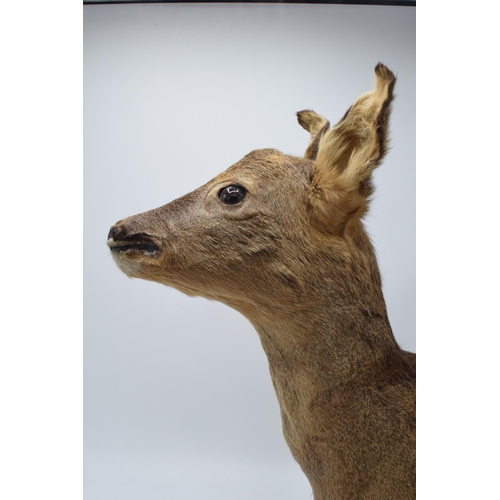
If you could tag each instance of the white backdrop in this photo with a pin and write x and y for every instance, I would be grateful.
(178, 399)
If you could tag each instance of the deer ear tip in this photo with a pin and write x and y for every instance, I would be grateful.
(382, 72)
(303, 117)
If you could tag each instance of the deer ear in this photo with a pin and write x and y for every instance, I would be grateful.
(348, 154)
(317, 126)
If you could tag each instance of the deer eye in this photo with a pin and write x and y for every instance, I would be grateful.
(231, 195)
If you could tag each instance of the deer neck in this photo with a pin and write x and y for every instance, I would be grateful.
(336, 339)
(318, 350)
(319, 364)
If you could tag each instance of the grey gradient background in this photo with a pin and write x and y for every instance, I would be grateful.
(177, 395)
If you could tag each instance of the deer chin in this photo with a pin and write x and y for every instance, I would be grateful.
(135, 262)
(132, 268)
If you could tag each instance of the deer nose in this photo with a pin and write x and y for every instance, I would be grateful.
(115, 231)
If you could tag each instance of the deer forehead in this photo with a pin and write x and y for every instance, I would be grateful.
(265, 167)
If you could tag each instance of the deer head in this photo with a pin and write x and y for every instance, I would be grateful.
(272, 231)
(280, 239)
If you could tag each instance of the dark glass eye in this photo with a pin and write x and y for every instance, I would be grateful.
(231, 195)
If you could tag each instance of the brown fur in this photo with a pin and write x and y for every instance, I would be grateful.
(294, 258)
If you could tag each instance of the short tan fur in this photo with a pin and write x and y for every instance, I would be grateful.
(292, 255)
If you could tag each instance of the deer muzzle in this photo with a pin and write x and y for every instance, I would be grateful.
(121, 240)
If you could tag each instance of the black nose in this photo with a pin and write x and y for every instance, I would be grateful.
(113, 231)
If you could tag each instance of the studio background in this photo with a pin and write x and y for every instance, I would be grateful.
(177, 394)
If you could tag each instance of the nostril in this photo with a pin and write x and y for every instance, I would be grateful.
(113, 231)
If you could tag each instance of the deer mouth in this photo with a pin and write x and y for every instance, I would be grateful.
(133, 243)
